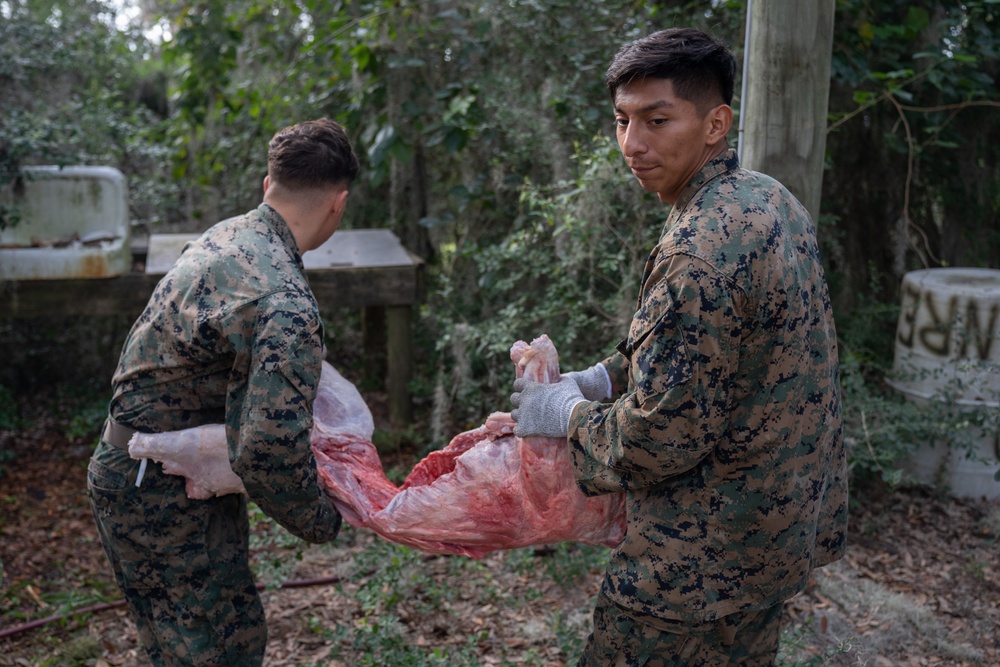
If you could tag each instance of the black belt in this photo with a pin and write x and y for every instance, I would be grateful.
(116, 434)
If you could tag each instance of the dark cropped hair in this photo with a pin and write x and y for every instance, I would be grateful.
(311, 154)
(701, 68)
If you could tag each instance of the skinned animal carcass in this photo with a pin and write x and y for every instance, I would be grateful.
(198, 454)
(486, 490)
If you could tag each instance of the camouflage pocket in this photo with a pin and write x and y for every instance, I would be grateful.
(105, 478)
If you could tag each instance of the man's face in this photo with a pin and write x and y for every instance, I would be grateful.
(664, 139)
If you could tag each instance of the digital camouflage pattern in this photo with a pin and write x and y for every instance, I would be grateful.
(189, 590)
(747, 639)
(231, 334)
(727, 437)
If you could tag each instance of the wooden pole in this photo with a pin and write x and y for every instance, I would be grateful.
(399, 365)
(789, 48)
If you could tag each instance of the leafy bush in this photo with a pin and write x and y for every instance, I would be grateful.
(87, 419)
(882, 426)
(272, 544)
(569, 268)
(77, 90)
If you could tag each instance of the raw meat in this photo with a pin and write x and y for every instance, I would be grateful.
(487, 490)
(200, 454)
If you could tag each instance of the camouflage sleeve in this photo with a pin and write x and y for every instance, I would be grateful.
(271, 451)
(682, 354)
(617, 367)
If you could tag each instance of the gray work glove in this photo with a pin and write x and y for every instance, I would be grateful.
(595, 383)
(544, 409)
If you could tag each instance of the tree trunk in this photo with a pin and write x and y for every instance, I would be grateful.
(789, 49)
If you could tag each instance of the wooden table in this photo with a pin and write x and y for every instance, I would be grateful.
(362, 268)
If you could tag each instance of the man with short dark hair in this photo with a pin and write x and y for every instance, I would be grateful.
(719, 415)
(231, 334)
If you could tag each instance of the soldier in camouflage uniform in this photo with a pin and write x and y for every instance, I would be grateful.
(726, 429)
(231, 334)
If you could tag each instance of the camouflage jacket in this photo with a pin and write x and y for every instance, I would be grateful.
(727, 437)
(232, 334)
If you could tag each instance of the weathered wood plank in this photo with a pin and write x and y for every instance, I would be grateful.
(395, 288)
(128, 294)
(399, 363)
(125, 294)
(368, 286)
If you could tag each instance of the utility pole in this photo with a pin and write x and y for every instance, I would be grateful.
(787, 90)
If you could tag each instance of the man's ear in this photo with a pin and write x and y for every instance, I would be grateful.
(267, 181)
(339, 201)
(720, 120)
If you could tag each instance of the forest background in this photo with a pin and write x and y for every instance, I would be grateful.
(486, 139)
(487, 145)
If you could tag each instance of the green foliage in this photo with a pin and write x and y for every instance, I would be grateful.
(276, 551)
(72, 88)
(60, 601)
(394, 582)
(569, 637)
(396, 576)
(564, 563)
(381, 641)
(571, 561)
(915, 85)
(796, 650)
(568, 268)
(87, 419)
(484, 132)
(80, 652)
(397, 573)
(883, 427)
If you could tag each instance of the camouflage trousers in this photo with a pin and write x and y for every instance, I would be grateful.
(182, 565)
(747, 639)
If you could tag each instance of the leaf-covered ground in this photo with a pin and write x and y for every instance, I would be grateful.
(920, 585)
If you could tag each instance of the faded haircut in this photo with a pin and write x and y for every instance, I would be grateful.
(701, 68)
(311, 154)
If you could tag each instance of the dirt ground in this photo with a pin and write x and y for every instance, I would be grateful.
(920, 585)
